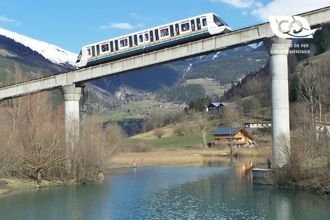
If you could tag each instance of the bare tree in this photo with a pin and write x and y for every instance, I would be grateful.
(40, 144)
(32, 145)
(202, 124)
(159, 132)
(309, 91)
(230, 116)
(95, 148)
(180, 129)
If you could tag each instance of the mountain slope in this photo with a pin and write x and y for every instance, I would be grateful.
(23, 58)
(51, 52)
(20, 63)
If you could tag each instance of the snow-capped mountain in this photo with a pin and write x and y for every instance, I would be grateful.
(51, 52)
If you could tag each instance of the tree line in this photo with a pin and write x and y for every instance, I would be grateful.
(32, 143)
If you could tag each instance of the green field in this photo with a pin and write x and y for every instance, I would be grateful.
(179, 142)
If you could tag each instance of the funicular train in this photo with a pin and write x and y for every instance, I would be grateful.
(166, 35)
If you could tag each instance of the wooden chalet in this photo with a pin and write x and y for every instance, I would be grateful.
(236, 137)
(217, 106)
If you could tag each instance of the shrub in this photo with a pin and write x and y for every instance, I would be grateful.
(140, 147)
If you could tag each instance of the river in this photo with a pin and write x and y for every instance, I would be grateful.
(166, 193)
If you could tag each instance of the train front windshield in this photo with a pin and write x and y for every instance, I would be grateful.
(79, 57)
(217, 21)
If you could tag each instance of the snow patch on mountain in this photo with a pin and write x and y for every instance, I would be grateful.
(189, 67)
(256, 45)
(51, 52)
(216, 55)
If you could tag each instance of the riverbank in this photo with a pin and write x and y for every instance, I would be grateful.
(180, 157)
(14, 185)
(161, 157)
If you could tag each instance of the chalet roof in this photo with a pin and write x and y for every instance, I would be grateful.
(221, 104)
(232, 132)
(224, 131)
(214, 104)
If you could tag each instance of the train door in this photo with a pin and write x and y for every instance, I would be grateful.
(199, 26)
(97, 50)
(177, 30)
(130, 41)
(135, 40)
(157, 34)
(193, 28)
(111, 46)
(172, 30)
(151, 36)
(93, 51)
(116, 45)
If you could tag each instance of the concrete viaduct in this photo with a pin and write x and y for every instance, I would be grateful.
(277, 48)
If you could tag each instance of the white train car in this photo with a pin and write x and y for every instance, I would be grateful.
(151, 39)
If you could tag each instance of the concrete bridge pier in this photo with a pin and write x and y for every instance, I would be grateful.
(278, 51)
(71, 95)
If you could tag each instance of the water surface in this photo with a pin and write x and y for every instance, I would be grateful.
(166, 193)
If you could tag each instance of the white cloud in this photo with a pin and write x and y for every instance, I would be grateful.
(245, 13)
(237, 3)
(283, 7)
(275, 7)
(4, 19)
(118, 25)
(140, 18)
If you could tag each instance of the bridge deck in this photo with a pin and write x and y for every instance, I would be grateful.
(235, 38)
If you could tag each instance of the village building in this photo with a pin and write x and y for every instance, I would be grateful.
(235, 137)
(322, 127)
(214, 107)
(259, 124)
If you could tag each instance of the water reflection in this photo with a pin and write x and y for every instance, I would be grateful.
(168, 193)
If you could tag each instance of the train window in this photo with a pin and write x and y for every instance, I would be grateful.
(130, 41)
(156, 34)
(98, 49)
(185, 26)
(89, 52)
(123, 42)
(140, 38)
(111, 46)
(151, 36)
(177, 31)
(198, 20)
(217, 21)
(164, 32)
(146, 37)
(204, 22)
(193, 25)
(105, 47)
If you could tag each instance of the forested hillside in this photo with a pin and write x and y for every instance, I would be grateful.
(257, 85)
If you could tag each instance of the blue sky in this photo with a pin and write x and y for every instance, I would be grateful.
(71, 24)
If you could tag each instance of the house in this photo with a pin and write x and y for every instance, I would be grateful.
(260, 124)
(216, 106)
(322, 126)
(236, 137)
(213, 107)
